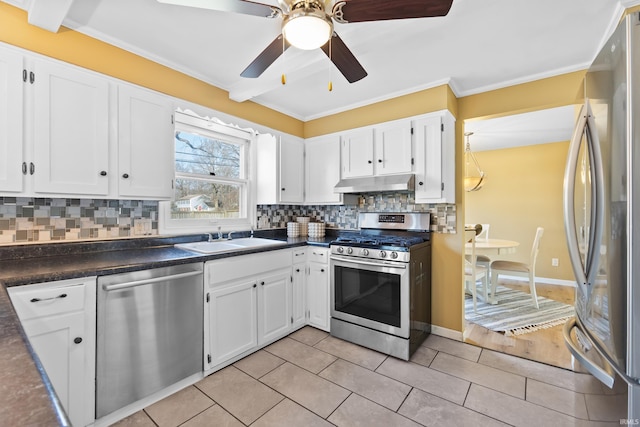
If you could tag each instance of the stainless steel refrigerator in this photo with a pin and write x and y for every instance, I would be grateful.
(602, 216)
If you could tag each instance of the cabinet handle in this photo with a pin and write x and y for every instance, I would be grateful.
(24, 76)
(421, 183)
(32, 77)
(369, 161)
(24, 168)
(261, 283)
(282, 188)
(297, 270)
(103, 173)
(379, 160)
(125, 175)
(32, 168)
(322, 270)
(48, 299)
(77, 340)
(254, 285)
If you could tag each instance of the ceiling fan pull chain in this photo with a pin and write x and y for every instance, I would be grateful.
(283, 77)
(330, 87)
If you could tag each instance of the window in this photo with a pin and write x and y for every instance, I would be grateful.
(211, 176)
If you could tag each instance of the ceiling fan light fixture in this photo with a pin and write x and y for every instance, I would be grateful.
(307, 28)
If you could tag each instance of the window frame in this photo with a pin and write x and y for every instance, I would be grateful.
(214, 128)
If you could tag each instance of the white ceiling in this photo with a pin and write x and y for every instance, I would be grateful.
(480, 45)
(538, 127)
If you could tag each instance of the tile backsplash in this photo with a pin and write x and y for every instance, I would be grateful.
(24, 219)
(443, 216)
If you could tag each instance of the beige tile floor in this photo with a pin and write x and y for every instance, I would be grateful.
(312, 379)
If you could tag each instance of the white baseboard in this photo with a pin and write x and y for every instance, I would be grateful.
(447, 333)
(547, 280)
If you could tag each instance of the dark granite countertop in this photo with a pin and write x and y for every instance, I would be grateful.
(26, 395)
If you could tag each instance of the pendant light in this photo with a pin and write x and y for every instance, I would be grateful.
(474, 176)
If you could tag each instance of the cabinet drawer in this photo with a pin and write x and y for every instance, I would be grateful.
(299, 255)
(33, 301)
(318, 255)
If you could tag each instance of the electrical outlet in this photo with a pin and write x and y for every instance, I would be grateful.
(554, 262)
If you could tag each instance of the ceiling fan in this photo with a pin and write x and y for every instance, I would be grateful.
(308, 24)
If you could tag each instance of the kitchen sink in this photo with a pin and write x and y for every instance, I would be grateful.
(219, 246)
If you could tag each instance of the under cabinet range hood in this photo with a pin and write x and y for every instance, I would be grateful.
(376, 183)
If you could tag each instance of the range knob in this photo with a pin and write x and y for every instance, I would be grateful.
(382, 254)
(349, 251)
(340, 249)
(394, 255)
(365, 252)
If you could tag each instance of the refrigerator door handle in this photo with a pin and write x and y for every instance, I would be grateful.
(585, 126)
(604, 373)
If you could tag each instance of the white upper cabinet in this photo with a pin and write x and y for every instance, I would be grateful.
(382, 149)
(280, 170)
(70, 130)
(435, 158)
(357, 153)
(145, 144)
(291, 170)
(393, 152)
(322, 170)
(11, 116)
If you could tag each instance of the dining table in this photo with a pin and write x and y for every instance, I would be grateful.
(494, 246)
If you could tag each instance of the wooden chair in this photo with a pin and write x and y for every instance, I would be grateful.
(515, 268)
(474, 272)
(482, 260)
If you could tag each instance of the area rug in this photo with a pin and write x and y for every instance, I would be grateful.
(515, 313)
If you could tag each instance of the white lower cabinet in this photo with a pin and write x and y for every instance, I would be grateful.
(298, 289)
(274, 306)
(59, 320)
(317, 288)
(247, 304)
(232, 320)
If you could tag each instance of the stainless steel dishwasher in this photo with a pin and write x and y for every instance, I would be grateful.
(149, 333)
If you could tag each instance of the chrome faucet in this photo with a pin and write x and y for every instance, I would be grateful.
(210, 239)
(219, 233)
(229, 235)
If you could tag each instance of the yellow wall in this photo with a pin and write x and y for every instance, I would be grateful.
(86, 52)
(78, 49)
(524, 191)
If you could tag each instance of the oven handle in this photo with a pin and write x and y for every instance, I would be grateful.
(372, 263)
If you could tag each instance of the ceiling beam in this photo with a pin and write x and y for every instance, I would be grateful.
(48, 14)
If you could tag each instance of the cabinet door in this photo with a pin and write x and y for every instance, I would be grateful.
(428, 159)
(322, 168)
(232, 313)
(274, 306)
(357, 153)
(318, 295)
(71, 130)
(11, 116)
(145, 144)
(59, 341)
(291, 171)
(298, 295)
(393, 152)
(435, 159)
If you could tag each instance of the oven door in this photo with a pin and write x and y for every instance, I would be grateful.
(371, 293)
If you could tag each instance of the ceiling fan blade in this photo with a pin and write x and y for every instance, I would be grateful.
(266, 58)
(382, 10)
(344, 60)
(236, 6)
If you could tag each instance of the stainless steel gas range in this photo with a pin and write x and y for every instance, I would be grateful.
(381, 283)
